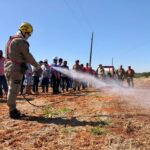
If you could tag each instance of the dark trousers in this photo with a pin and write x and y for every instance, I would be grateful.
(45, 83)
(55, 84)
(3, 83)
(35, 83)
(65, 83)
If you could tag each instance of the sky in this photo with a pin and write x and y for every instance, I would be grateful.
(63, 28)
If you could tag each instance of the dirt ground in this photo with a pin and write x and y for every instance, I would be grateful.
(85, 120)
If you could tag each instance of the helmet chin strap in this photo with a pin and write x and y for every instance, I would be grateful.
(22, 35)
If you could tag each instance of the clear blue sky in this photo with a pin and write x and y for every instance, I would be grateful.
(63, 28)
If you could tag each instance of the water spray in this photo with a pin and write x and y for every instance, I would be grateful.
(140, 97)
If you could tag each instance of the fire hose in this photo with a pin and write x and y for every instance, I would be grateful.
(32, 103)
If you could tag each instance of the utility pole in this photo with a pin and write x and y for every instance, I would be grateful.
(90, 60)
(112, 61)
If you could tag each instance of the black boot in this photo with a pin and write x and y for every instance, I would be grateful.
(15, 114)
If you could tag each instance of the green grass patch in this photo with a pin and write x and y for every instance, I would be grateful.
(64, 110)
(51, 112)
(98, 131)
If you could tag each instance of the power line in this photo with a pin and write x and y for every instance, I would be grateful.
(84, 16)
(73, 13)
(79, 22)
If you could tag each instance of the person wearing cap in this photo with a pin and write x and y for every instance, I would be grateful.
(129, 75)
(3, 82)
(17, 56)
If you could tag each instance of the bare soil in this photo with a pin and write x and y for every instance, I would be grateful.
(85, 120)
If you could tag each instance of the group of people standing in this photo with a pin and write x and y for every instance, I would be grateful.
(45, 76)
(16, 71)
(128, 75)
(118, 75)
(48, 76)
